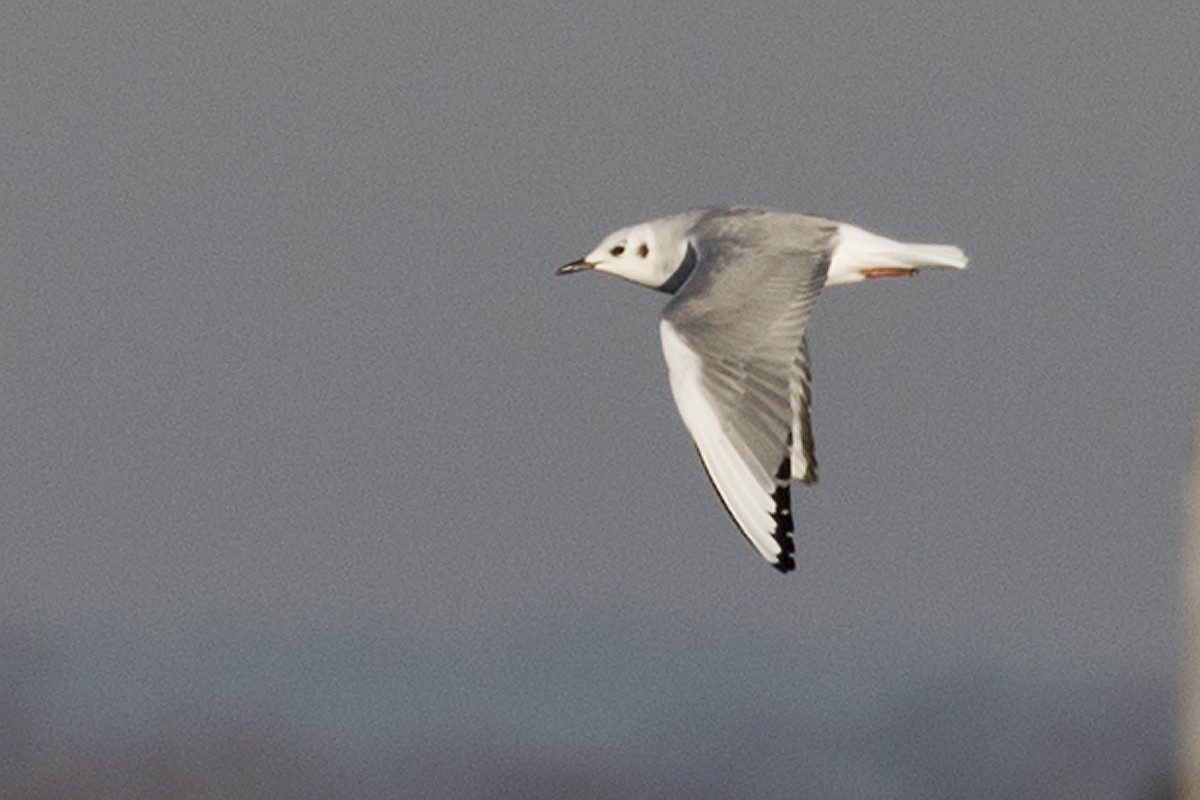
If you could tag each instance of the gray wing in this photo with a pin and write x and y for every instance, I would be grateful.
(733, 339)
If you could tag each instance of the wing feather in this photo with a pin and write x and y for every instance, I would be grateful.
(733, 340)
(803, 449)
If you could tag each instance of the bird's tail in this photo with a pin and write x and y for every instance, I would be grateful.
(860, 254)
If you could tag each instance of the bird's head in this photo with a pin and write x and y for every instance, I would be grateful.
(647, 254)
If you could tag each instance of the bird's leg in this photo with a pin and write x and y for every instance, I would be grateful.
(889, 272)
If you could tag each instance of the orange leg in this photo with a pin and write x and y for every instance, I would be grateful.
(889, 272)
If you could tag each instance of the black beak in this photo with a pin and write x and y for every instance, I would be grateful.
(574, 266)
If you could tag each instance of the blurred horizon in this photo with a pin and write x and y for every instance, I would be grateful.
(221, 709)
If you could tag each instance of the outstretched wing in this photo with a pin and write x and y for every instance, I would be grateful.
(733, 339)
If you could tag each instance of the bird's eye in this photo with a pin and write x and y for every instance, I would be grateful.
(644, 250)
(616, 251)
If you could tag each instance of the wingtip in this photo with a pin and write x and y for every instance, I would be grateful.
(784, 525)
(785, 562)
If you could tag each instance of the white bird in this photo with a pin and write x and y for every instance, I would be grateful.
(744, 282)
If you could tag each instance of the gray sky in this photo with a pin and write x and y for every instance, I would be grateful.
(281, 339)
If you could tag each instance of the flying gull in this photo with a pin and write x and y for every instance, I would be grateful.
(744, 281)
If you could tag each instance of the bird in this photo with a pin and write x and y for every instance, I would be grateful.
(743, 282)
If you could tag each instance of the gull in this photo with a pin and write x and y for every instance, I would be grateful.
(744, 281)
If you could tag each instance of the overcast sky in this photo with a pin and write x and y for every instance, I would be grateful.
(281, 340)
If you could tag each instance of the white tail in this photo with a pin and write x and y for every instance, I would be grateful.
(858, 251)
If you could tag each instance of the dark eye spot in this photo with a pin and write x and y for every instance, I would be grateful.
(644, 250)
(616, 251)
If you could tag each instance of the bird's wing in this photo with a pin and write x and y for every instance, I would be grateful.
(803, 448)
(733, 339)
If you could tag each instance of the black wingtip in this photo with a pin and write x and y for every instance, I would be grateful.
(785, 561)
(784, 527)
(782, 514)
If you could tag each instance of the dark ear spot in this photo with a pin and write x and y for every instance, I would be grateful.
(644, 250)
(616, 251)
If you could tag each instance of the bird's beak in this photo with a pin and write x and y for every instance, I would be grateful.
(574, 266)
